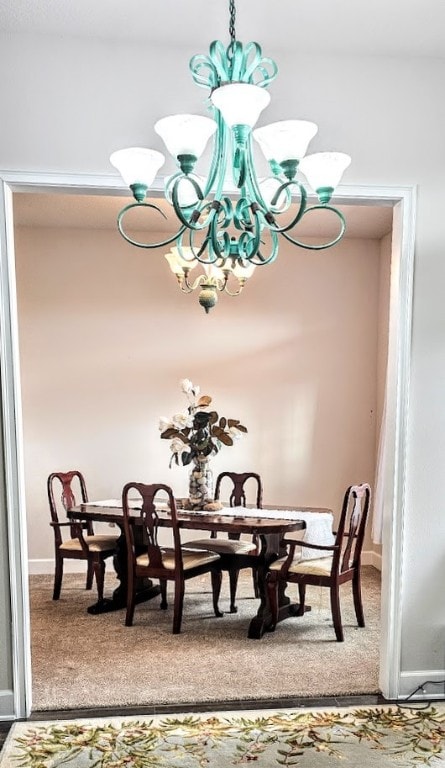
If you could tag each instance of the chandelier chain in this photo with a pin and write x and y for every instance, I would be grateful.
(232, 21)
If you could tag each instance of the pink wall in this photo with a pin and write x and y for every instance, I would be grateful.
(105, 337)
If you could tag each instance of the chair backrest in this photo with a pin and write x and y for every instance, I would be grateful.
(147, 516)
(351, 527)
(74, 491)
(240, 480)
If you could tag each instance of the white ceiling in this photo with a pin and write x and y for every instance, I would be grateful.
(100, 212)
(381, 27)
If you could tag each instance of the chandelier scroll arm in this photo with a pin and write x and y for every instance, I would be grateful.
(322, 246)
(130, 240)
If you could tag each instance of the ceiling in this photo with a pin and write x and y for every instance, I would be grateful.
(383, 27)
(100, 212)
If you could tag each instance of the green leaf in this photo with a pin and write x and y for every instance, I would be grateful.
(186, 457)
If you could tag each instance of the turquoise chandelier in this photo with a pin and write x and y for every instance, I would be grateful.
(230, 234)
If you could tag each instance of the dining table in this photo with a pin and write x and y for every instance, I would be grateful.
(270, 525)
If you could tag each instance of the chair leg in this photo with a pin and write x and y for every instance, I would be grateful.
(216, 590)
(58, 577)
(99, 572)
(301, 598)
(357, 593)
(233, 581)
(179, 604)
(90, 575)
(336, 612)
(256, 589)
(163, 585)
(272, 596)
(131, 599)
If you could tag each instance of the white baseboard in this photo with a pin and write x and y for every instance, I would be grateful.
(431, 681)
(7, 705)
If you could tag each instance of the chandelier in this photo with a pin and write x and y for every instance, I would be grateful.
(230, 235)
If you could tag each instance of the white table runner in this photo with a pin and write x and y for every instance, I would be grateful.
(318, 524)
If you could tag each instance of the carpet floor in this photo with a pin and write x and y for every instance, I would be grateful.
(375, 736)
(84, 661)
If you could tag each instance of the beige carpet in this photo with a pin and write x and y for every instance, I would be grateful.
(82, 661)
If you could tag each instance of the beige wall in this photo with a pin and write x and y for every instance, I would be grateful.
(105, 337)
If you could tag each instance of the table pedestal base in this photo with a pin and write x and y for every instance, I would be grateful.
(262, 623)
(145, 589)
(119, 599)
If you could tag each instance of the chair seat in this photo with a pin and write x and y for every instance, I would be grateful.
(224, 546)
(98, 543)
(190, 558)
(320, 567)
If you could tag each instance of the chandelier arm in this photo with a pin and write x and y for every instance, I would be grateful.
(219, 157)
(215, 234)
(135, 242)
(322, 246)
(252, 183)
(259, 260)
(192, 286)
(299, 214)
(235, 293)
(201, 249)
(192, 223)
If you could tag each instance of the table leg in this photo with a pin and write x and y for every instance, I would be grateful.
(271, 549)
(145, 589)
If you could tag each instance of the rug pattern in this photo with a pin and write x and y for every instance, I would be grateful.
(375, 736)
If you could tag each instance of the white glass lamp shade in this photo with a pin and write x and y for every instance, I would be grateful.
(137, 165)
(240, 103)
(185, 134)
(285, 140)
(243, 270)
(177, 263)
(215, 273)
(324, 169)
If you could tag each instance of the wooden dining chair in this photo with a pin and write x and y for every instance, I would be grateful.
(175, 563)
(341, 564)
(235, 553)
(83, 543)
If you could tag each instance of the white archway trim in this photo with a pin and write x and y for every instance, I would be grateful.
(403, 201)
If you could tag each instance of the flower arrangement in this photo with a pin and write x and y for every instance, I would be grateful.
(198, 433)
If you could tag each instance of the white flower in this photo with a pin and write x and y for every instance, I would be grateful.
(182, 420)
(186, 386)
(177, 446)
(164, 424)
(235, 433)
(191, 390)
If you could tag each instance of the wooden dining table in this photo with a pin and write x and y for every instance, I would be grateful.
(270, 532)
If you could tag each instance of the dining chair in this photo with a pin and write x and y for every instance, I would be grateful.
(235, 553)
(83, 543)
(175, 563)
(341, 563)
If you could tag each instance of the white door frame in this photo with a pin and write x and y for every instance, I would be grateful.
(403, 200)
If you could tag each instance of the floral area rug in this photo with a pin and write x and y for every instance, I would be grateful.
(364, 738)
